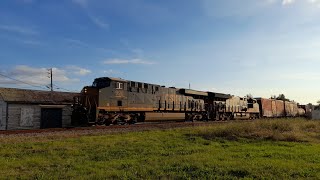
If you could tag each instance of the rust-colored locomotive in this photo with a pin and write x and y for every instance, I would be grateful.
(113, 100)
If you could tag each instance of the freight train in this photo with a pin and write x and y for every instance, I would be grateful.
(118, 101)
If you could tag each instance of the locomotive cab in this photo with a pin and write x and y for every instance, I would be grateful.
(113, 97)
(84, 106)
(253, 108)
(242, 107)
(87, 105)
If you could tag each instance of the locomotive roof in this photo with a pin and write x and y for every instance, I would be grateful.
(112, 79)
(182, 90)
(193, 92)
(219, 95)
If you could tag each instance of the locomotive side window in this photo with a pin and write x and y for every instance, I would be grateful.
(133, 84)
(139, 85)
(250, 103)
(119, 85)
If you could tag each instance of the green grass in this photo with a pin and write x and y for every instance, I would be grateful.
(283, 149)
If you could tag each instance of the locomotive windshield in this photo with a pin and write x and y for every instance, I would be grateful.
(101, 83)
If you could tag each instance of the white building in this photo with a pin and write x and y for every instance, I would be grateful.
(33, 109)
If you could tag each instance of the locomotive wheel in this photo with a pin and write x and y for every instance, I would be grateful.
(134, 120)
(115, 122)
(217, 117)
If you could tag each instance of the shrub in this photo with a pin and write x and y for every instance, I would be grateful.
(310, 126)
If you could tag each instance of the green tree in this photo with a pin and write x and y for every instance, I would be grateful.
(249, 96)
(282, 97)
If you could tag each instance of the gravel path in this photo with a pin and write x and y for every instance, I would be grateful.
(97, 130)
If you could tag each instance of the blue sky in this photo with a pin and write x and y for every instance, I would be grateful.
(262, 47)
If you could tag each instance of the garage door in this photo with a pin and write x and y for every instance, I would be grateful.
(51, 118)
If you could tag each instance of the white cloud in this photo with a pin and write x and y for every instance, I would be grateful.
(82, 3)
(111, 72)
(78, 70)
(248, 8)
(18, 29)
(25, 41)
(301, 76)
(315, 2)
(287, 2)
(312, 2)
(235, 8)
(127, 61)
(137, 51)
(40, 77)
(76, 42)
(60, 75)
(98, 22)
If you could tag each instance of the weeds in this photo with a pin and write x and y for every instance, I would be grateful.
(275, 130)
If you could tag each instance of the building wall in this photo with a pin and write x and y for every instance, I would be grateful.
(316, 113)
(24, 116)
(2, 115)
(66, 116)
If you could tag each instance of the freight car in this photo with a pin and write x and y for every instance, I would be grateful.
(279, 108)
(113, 100)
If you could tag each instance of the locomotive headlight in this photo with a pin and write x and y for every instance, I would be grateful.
(85, 90)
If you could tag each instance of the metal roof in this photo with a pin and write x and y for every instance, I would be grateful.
(36, 96)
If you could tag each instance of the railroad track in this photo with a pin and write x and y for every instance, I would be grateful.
(117, 128)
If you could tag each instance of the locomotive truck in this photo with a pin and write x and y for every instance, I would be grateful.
(118, 101)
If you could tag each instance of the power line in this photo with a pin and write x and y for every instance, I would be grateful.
(39, 85)
(58, 87)
(23, 81)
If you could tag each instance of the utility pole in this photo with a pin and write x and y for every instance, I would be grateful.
(50, 72)
(51, 79)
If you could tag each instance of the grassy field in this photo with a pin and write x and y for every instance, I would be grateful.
(276, 149)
